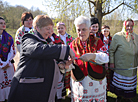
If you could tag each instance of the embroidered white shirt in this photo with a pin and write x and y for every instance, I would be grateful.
(27, 29)
(63, 37)
(105, 41)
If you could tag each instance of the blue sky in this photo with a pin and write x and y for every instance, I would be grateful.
(37, 4)
(28, 3)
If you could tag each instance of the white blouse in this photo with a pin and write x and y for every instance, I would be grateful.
(63, 37)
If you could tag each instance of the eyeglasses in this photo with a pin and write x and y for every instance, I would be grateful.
(2, 23)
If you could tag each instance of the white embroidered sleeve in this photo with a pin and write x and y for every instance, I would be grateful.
(18, 38)
(101, 58)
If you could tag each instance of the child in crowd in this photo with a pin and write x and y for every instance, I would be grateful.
(67, 39)
(106, 38)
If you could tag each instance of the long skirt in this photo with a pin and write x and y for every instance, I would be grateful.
(123, 86)
(5, 81)
(88, 90)
(61, 89)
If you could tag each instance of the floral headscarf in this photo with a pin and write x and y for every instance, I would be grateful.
(124, 25)
(5, 45)
(124, 29)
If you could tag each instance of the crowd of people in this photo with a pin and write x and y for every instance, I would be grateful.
(52, 66)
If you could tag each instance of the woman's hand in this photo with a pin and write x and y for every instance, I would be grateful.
(65, 65)
(68, 63)
(61, 65)
(5, 67)
(88, 56)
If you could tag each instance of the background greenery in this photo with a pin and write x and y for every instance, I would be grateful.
(12, 15)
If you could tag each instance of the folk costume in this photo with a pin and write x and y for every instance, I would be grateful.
(19, 33)
(55, 39)
(66, 39)
(7, 53)
(98, 35)
(37, 75)
(107, 42)
(88, 81)
(123, 53)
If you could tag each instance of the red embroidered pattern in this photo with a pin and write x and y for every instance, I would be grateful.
(85, 91)
(6, 82)
(100, 82)
(91, 84)
(77, 97)
(96, 90)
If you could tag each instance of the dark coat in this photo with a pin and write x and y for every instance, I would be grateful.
(36, 77)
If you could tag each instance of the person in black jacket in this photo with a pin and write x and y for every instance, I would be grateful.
(36, 77)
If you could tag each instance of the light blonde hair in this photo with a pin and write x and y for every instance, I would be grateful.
(60, 23)
(42, 21)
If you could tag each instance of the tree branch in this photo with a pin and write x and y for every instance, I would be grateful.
(130, 7)
(67, 5)
(92, 2)
(113, 9)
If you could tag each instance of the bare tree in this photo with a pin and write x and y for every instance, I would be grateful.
(95, 8)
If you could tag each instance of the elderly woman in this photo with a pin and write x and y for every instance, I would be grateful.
(88, 81)
(26, 21)
(37, 74)
(123, 53)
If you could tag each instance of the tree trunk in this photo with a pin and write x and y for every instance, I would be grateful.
(98, 13)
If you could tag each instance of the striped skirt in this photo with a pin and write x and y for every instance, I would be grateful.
(124, 86)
